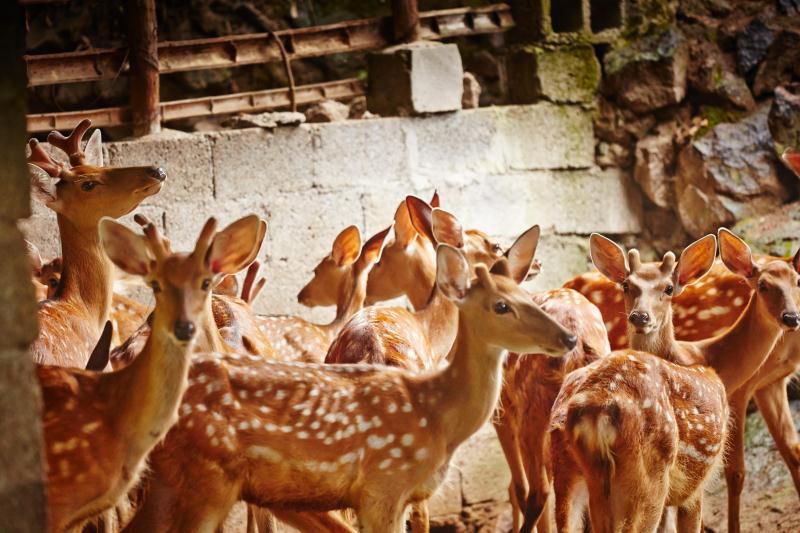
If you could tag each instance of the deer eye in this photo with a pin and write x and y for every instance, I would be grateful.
(88, 185)
(501, 308)
(206, 284)
(156, 286)
(762, 286)
(625, 287)
(497, 249)
(53, 283)
(668, 290)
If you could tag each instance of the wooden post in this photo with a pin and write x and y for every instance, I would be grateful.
(143, 58)
(405, 18)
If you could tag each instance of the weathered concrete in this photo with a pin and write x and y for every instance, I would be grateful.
(566, 75)
(498, 169)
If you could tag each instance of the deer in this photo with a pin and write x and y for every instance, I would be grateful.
(127, 412)
(304, 435)
(349, 265)
(86, 191)
(639, 431)
(530, 385)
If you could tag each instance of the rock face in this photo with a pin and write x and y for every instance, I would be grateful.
(655, 160)
(327, 111)
(711, 75)
(752, 45)
(566, 75)
(728, 174)
(650, 73)
(784, 117)
(782, 63)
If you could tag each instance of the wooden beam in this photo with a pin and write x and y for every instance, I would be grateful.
(143, 78)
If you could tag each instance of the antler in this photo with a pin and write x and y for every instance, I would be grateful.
(159, 244)
(42, 159)
(72, 145)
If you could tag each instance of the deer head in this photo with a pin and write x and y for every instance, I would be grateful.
(216, 254)
(493, 304)
(775, 283)
(648, 288)
(84, 190)
(330, 273)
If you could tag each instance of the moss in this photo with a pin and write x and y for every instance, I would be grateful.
(713, 116)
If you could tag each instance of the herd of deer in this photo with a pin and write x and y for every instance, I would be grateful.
(207, 403)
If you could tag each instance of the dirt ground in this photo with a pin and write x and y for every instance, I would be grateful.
(769, 500)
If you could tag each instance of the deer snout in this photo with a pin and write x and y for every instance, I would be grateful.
(569, 341)
(791, 320)
(302, 296)
(639, 318)
(157, 173)
(184, 330)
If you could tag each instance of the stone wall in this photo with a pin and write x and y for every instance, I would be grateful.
(499, 169)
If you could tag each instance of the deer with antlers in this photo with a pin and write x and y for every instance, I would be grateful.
(70, 323)
(639, 431)
(126, 413)
(329, 436)
(348, 266)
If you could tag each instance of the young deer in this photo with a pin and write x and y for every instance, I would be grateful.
(639, 432)
(413, 340)
(296, 339)
(330, 436)
(126, 413)
(530, 386)
(70, 323)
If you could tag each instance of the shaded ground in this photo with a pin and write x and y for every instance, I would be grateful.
(769, 500)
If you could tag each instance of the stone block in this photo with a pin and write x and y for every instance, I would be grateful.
(546, 135)
(484, 472)
(562, 75)
(246, 162)
(448, 497)
(42, 230)
(413, 79)
(186, 158)
(362, 153)
(562, 257)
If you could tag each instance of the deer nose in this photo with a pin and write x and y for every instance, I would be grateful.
(569, 341)
(791, 319)
(158, 173)
(639, 318)
(184, 330)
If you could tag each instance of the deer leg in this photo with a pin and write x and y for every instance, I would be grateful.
(570, 492)
(381, 516)
(690, 515)
(773, 403)
(420, 519)
(538, 496)
(734, 465)
(518, 488)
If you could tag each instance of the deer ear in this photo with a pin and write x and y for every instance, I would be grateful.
(520, 255)
(446, 228)
(695, 262)
(233, 248)
(371, 251)
(736, 255)
(126, 249)
(608, 258)
(346, 246)
(227, 286)
(94, 149)
(792, 160)
(420, 214)
(452, 272)
(404, 230)
(35, 257)
(43, 186)
(98, 360)
(435, 199)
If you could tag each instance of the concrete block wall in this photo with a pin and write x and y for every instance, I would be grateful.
(498, 169)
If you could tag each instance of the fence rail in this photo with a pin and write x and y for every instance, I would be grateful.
(238, 50)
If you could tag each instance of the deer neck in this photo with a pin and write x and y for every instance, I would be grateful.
(660, 342)
(145, 395)
(87, 273)
(209, 339)
(738, 353)
(351, 299)
(440, 322)
(468, 388)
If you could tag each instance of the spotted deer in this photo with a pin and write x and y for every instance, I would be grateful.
(637, 430)
(85, 191)
(372, 438)
(296, 339)
(530, 385)
(126, 413)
